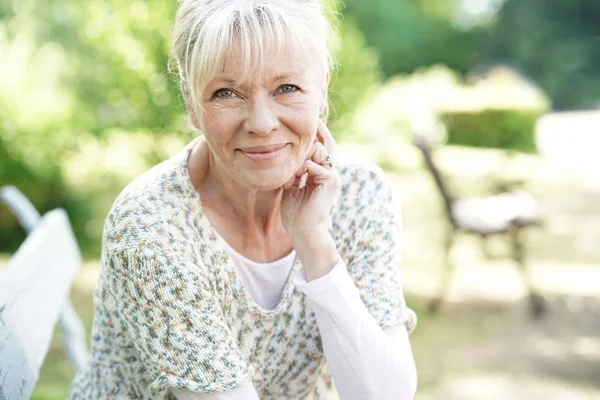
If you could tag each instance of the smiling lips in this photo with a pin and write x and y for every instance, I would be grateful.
(263, 153)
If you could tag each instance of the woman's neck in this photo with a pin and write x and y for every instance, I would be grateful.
(249, 220)
(249, 205)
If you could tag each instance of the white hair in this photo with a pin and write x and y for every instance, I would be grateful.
(206, 30)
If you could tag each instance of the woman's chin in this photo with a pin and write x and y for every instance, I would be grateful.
(264, 182)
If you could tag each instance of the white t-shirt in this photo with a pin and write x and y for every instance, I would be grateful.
(264, 281)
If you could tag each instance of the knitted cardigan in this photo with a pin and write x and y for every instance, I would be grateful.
(171, 312)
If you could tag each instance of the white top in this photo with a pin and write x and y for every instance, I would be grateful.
(364, 362)
(264, 281)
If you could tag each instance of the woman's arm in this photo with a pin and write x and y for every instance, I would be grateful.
(365, 361)
(396, 335)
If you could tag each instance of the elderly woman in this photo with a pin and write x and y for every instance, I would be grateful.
(250, 265)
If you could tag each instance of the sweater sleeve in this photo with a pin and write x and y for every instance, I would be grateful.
(373, 255)
(174, 322)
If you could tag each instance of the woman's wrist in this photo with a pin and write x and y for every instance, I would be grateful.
(317, 251)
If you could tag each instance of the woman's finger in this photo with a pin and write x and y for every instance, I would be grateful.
(320, 154)
(317, 153)
(325, 137)
(311, 151)
(318, 174)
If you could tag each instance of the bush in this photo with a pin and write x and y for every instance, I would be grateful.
(510, 129)
(354, 81)
(46, 192)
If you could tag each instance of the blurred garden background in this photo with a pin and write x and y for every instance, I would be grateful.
(506, 90)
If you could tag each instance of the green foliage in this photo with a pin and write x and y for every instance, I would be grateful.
(354, 81)
(510, 129)
(115, 62)
(556, 43)
(70, 69)
(412, 33)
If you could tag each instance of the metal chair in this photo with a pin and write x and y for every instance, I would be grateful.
(507, 213)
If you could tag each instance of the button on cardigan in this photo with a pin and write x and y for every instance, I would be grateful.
(171, 312)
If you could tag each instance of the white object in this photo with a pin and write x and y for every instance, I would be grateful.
(21, 207)
(72, 328)
(34, 287)
(496, 213)
(570, 139)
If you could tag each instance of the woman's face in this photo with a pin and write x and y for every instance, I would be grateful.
(261, 131)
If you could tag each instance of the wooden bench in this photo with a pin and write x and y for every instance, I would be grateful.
(34, 296)
(507, 214)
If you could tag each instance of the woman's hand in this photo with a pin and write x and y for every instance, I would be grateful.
(306, 206)
(309, 195)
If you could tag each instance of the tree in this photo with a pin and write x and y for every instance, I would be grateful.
(554, 42)
(409, 34)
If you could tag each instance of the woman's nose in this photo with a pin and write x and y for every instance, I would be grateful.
(261, 119)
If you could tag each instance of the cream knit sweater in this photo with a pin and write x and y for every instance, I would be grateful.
(170, 311)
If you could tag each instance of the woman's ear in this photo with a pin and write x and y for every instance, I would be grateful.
(192, 115)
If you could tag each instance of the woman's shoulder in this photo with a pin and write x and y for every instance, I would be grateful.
(152, 207)
(363, 182)
(367, 198)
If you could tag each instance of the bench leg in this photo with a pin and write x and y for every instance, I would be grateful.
(485, 246)
(73, 336)
(447, 272)
(537, 303)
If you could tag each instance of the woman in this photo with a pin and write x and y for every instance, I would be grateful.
(249, 266)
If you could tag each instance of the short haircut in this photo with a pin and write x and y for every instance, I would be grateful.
(206, 30)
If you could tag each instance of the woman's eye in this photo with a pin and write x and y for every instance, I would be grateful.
(288, 88)
(224, 93)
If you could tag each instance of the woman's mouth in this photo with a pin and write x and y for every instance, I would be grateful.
(263, 153)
